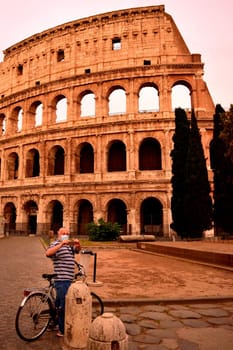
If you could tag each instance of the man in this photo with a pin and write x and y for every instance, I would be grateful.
(62, 252)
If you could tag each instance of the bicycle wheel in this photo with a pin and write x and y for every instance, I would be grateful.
(33, 316)
(97, 306)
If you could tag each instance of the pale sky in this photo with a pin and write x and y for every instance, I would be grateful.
(206, 26)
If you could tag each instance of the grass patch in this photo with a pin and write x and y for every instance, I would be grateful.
(83, 241)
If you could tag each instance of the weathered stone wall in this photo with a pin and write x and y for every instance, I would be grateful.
(127, 49)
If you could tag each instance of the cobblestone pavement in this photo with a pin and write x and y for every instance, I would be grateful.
(183, 326)
(176, 325)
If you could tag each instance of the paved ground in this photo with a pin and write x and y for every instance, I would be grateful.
(156, 325)
(138, 274)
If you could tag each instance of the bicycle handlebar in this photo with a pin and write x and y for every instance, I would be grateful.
(87, 251)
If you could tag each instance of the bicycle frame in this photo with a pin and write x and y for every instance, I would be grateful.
(47, 293)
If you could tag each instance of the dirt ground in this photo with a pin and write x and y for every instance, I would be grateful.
(128, 273)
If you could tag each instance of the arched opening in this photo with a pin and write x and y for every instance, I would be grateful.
(9, 214)
(117, 101)
(31, 209)
(55, 212)
(13, 166)
(117, 212)
(33, 163)
(56, 161)
(151, 216)
(181, 97)
(86, 159)
(85, 216)
(35, 115)
(61, 109)
(148, 99)
(39, 114)
(2, 124)
(20, 120)
(88, 105)
(16, 120)
(150, 155)
(117, 157)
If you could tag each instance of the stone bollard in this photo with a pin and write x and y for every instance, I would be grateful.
(77, 316)
(107, 332)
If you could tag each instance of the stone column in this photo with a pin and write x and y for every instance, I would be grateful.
(99, 159)
(21, 168)
(131, 159)
(68, 159)
(165, 101)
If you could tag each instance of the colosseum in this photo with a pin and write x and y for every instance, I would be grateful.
(87, 119)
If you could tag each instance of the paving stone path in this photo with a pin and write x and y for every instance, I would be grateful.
(192, 326)
(167, 326)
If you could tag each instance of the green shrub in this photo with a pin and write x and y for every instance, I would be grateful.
(103, 231)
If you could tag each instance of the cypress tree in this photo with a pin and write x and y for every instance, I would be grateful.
(227, 133)
(198, 211)
(179, 155)
(223, 176)
(218, 165)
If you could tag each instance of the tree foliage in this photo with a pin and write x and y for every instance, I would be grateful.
(179, 155)
(198, 210)
(222, 165)
(191, 202)
(103, 231)
(227, 133)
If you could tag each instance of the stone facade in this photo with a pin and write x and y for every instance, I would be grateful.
(80, 167)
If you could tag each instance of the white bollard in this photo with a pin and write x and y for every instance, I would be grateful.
(85, 261)
(107, 333)
(77, 316)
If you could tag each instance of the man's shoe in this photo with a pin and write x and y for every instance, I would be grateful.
(52, 327)
(60, 334)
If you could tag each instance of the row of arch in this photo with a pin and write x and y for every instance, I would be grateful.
(148, 101)
(151, 216)
(149, 155)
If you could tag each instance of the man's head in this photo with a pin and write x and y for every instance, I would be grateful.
(63, 233)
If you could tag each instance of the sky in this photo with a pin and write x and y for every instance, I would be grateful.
(206, 26)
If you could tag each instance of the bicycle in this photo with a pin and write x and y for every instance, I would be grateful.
(37, 310)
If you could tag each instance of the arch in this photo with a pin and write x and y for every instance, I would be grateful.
(151, 216)
(13, 166)
(86, 158)
(2, 124)
(87, 103)
(181, 95)
(36, 111)
(117, 212)
(117, 157)
(17, 119)
(85, 216)
(117, 101)
(32, 163)
(148, 98)
(55, 215)
(56, 161)
(60, 105)
(31, 208)
(150, 155)
(9, 213)
(20, 120)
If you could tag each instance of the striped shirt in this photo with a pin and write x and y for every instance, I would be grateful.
(63, 262)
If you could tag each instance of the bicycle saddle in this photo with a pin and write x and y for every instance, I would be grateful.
(49, 276)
